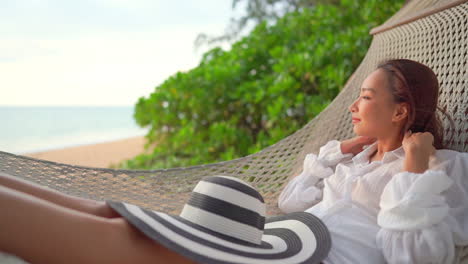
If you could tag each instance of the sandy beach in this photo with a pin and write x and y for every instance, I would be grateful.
(97, 155)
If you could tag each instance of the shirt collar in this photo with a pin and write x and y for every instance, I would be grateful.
(363, 156)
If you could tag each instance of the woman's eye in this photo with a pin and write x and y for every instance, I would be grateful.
(365, 97)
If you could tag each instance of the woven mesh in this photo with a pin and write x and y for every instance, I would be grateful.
(432, 32)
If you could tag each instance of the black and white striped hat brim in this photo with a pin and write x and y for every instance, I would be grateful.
(224, 222)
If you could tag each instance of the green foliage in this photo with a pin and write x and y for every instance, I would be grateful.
(270, 84)
(257, 11)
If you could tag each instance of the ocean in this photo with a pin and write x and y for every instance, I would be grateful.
(34, 129)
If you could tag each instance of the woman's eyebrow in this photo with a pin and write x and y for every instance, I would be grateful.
(368, 89)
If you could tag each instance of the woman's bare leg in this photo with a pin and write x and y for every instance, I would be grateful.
(43, 232)
(99, 208)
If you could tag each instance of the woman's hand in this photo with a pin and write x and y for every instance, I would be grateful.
(418, 148)
(354, 145)
(419, 143)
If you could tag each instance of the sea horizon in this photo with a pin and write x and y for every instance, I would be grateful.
(32, 129)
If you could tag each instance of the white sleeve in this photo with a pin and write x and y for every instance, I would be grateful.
(415, 220)
(301, 193)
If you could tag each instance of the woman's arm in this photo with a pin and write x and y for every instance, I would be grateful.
(424, 209)
(415, 163)
(415, 219)
(301, 192)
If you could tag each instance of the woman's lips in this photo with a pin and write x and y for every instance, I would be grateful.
(356, 120)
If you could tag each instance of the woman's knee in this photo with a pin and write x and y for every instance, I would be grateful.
(132, 246)
(104, 210)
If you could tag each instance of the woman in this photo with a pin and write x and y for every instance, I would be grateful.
(71, 220)
(401, 199)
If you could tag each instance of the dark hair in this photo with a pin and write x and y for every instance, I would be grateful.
(416, 84)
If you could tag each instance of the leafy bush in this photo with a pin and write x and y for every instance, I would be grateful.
(270, 84)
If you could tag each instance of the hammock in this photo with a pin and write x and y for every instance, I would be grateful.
(433, 32)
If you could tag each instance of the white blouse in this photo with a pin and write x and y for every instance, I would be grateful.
(377, 213)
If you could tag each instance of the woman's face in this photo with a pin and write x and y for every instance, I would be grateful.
(373, 112)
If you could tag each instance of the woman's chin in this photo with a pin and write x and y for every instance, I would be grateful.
(357, 132)
(363, 134)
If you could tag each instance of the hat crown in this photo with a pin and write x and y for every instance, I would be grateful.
(229, 206)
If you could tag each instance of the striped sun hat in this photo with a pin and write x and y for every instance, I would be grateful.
(224, 222)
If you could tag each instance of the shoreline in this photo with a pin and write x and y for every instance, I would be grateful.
(101, 155)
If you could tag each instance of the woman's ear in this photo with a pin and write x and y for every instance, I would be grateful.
(401, 112)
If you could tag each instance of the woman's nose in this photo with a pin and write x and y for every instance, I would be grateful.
(352, 107)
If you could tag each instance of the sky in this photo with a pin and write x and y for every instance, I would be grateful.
(100, 52)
